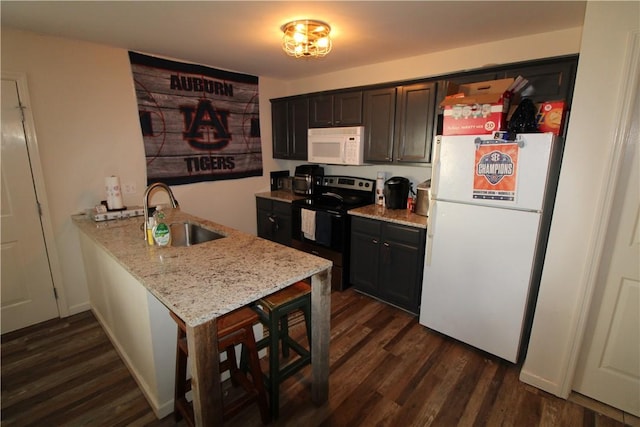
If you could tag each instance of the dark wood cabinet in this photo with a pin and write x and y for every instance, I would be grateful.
(476, 77)
(379, 124)
(399, 123)
(387, 261)
(280, 129)
(335, 110)
(290, 123)
(274, 220)
(548, 82)
(401, 119)
(415, 113)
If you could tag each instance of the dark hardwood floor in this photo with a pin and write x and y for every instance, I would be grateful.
(386, 370)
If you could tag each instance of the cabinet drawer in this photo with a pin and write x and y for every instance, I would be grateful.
(263, 204)
(281, 208)
(366, 226)
(402, 234)
(274, 206)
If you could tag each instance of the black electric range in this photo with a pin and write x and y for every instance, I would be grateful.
(321, 225)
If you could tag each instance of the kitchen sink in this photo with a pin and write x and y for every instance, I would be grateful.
(189, 234)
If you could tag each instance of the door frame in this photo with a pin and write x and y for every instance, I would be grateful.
(38, 183)
(628, 91)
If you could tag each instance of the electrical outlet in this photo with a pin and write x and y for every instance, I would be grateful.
(129, 188)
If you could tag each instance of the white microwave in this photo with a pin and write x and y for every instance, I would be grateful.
(336, 146)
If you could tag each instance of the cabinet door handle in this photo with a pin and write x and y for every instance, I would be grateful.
(386, 253)
(374, 241)
(274, 223)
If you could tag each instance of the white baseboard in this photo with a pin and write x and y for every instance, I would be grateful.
(78, 308)
(541, 383)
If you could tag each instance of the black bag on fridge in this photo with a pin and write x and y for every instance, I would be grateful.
(523, 119)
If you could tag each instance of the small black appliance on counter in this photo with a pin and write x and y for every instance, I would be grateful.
(278, 180)
(396, 191)
(307, 178)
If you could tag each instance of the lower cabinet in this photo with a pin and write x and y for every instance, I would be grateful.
(387, 260)
(274, 220)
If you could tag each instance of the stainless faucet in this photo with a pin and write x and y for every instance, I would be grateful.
(147, 193)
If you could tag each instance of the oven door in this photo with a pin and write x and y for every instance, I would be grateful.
(333, 225)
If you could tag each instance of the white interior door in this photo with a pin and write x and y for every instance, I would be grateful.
(609, 364)
(26, 287)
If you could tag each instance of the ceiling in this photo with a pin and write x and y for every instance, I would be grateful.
(244, 36)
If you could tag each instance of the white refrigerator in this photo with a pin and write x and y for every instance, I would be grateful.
(487, 229)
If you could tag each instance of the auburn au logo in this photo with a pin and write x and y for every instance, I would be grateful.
(206, 128)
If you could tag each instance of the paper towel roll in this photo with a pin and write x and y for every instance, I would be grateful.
(380, 188)
(114, 192)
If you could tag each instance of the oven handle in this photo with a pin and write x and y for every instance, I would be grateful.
(334, 214)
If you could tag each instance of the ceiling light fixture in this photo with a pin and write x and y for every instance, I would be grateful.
(306, 38)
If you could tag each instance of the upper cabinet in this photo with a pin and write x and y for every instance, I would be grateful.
(401, 119)
(415, 113)
(379, 124)
(290, 123)
(548, 82)
(399, 122)
(335, 110)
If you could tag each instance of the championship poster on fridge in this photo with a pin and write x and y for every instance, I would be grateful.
(198, 123)
(496, 168)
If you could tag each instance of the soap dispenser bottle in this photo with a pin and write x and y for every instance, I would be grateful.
(151, 223)
(161, 231)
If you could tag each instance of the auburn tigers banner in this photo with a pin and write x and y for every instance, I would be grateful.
(198, 123)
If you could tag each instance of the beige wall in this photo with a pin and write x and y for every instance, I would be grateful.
(87, 127)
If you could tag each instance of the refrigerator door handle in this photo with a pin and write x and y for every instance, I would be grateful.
(435, 167)
(431, 223)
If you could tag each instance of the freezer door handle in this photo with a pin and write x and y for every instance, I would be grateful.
(431, 223)
(435, 166)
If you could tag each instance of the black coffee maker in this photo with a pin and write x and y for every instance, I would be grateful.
(396, 192)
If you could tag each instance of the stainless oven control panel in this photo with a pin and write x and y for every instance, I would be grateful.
(348, 182)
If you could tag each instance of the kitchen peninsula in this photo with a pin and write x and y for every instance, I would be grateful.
(133, 285)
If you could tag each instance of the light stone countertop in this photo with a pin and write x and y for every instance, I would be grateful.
(281, 195)
(206, 280)
(399, 216)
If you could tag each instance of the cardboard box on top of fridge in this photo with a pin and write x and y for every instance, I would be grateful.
(550, 116)
(476, 108)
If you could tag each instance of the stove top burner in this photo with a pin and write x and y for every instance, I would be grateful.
(341, 193)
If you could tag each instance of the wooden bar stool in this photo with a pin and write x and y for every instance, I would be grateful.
(274, 311)
(234, 328)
